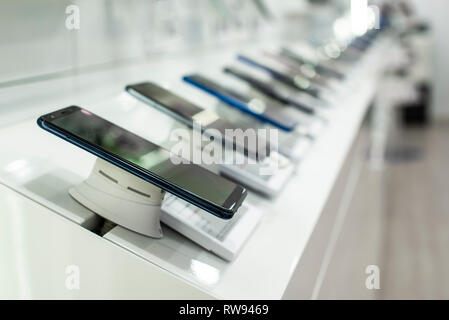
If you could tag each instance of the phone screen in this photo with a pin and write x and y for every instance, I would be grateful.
(115, 140)
(174, 103)
(206, 118)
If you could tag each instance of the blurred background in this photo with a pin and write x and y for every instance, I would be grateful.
(398, 215)
(114, 32)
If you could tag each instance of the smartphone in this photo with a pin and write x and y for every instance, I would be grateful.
(204, 189)
(319, 68)
(304, 70)
(252, 106)
(267, 90)
(189, 113)
(286, 79)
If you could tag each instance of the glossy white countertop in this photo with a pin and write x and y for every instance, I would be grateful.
(40, 167)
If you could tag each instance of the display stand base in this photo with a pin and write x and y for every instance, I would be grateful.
(122, 198)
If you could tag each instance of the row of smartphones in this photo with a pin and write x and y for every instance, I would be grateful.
(186, 180)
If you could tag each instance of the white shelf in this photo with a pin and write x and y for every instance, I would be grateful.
(264, 267)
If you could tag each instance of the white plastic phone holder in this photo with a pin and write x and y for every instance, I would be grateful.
(122, 198)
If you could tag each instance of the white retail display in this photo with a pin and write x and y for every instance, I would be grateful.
(40, 231)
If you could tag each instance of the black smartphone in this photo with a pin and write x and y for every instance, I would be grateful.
(146, 160)
(318, 67)
(189, 113)
(267, 90)
(306, 71)
(282, 77)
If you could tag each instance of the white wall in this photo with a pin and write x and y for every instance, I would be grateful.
(437, 13)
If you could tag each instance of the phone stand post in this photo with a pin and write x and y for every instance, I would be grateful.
(122, 198)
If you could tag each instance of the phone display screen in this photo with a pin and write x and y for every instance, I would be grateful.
(166, 98)
(204, 117)
(98, 132)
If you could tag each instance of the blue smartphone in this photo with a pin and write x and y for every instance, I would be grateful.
(204, 189)
(254, 107)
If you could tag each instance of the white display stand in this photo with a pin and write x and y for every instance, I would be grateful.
(38, 241)
(122, 198)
